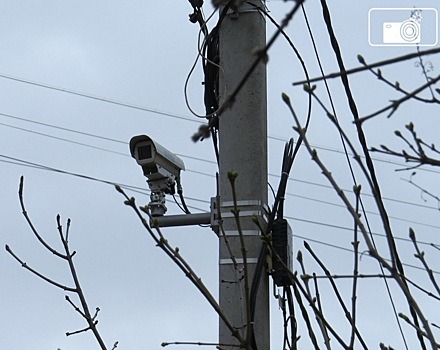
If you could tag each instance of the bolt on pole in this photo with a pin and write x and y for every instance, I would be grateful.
(243, 149)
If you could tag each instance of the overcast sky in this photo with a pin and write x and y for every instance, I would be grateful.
(63, 65)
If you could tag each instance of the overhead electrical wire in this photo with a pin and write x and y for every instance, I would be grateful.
(17, 161)
(194, 158)
(369, 212)
(350, 229)
(143, 191)
(62, 128)
(348, 250)
(147, 109)
(126, 143)
(371, 177)
(136, 189)
(64, 139)
(276, 138)
(151, 110)
(179, 154)
(98, 98)
(26, 163)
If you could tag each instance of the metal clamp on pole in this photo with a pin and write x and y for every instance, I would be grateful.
(209, 218)
(248, 208)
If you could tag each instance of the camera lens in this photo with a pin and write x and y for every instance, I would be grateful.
(409, 31)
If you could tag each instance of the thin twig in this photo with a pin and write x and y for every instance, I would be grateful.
(27, 267)
(417, 328)
(395, 104)
(421, 256)
(68, 256)
(319, 305)
(355, 243)
(305, 316)
(373, 252)
(174, 255)
(331, 276)
(31, 225)
(396, 86)
(370, 66)
(305, 279)
(337, 294)
(236, 212)
(164, 344)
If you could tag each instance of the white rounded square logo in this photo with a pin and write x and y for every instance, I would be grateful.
(403, 27)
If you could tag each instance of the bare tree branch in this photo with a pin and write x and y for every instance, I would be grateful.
(68, 256)
(370, 66)
(174, 255)
(35, 272)
(421, 256)
(373, 252)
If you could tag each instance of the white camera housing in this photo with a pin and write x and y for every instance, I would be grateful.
(156, 161)
(160, 166)
(406, 32)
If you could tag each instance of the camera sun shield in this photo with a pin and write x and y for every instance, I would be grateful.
(403, 27)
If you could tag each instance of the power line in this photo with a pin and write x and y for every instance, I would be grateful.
(182, 155)
(276, 138)
(338, 151)
(62, 128)
(368, 212)
(364, 194)
(136, 189)
(126, 143)
(16, 161)
(198, 159)
(146, 109)
(352, 251)
(21, 162)
(98, 98)
(63, 139)
(339, 227)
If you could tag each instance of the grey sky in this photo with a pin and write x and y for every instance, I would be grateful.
(140, 54)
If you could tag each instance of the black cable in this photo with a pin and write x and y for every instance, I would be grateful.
(211, 64)
(184, 207)
(287, 164)
(282, 306)
(292, 318)
(288, 158)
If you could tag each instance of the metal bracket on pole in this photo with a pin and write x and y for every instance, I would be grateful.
(247, 209)
(182, 220)
(189, 219)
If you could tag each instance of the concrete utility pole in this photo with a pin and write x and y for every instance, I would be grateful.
(243, 148)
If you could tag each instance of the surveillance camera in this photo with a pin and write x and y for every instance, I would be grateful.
(156, 161)
(160, 166)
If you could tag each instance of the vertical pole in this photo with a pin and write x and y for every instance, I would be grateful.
(243, 148)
